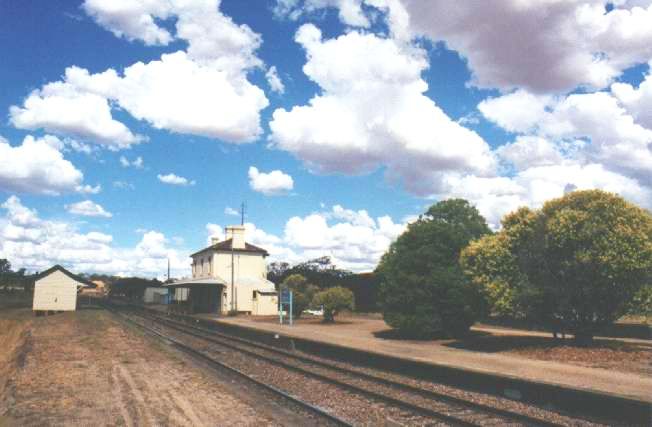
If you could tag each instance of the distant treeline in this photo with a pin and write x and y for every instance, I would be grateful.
(11, 280)
(324, 274)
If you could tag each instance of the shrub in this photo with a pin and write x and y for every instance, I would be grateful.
(333, 301)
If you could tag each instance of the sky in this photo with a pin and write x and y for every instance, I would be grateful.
(132, 131)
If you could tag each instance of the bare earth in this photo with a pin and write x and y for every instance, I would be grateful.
(85, 368)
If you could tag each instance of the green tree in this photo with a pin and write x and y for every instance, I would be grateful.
(581, 260)
(423, 290)
(302, 292)
(641, 304)
(333, 301)
(319, 271)
(491, 263)
(5, 272)
(5, 266)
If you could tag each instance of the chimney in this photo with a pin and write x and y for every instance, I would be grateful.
(215, 240)
(236, 232)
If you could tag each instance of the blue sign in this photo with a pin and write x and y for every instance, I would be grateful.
(286, 296)
(286, 300)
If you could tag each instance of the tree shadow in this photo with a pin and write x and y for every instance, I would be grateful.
(396, 334)
(503, 343)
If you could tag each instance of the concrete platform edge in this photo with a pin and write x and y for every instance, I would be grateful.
(561, 396)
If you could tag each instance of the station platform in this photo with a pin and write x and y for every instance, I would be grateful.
(360, 334)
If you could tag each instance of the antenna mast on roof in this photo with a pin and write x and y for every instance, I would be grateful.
(243, 206)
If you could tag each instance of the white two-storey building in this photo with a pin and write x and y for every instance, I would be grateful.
(228, 276)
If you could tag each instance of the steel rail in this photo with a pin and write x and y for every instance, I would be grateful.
(429, 394)
(215, 364)
(478, 407)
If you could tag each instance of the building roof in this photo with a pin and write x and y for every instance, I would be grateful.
(215, 281)
(257, 283)
(225, 246)
(73, 276)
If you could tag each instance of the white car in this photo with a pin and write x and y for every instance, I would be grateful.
(319, 312)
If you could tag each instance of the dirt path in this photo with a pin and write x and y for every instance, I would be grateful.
(85, 368)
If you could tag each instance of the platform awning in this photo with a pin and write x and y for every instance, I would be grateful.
(198, 282)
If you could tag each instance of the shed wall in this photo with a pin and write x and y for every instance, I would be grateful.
(55, 292)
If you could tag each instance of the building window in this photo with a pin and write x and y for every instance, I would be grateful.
(254, 296)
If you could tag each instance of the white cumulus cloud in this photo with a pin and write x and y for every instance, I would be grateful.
(372, 113)
(36, 244)
(63, 108)
(130, 19)
(274, 80)
(587, 127)
(137, 163)
(497, 196)
(88, 208)
(637, 101)
(37, 166)
(350, 11)
(230, 211)
(569, 43)
(353, 239)
(203, 90)
(271, 183)
(173, 179)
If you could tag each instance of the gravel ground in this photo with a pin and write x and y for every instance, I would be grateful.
(84, 368)
(341, 406)
(344, 404)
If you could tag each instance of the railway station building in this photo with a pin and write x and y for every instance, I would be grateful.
(227, 276)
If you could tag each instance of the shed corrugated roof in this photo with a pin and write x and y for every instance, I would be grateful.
(225, 246)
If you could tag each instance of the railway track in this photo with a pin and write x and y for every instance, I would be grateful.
(212, 362)
(429, 406)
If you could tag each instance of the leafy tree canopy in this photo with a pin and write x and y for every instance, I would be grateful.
(5, 266)
(423, 290)
(576, 264)
(333, 301)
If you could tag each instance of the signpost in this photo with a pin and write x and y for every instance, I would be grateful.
(286, 302)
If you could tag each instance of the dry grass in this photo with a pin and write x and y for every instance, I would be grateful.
(14, 330)
(85, 368)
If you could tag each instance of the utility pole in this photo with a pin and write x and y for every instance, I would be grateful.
(232, 276)
(243, 206)
(168, 281)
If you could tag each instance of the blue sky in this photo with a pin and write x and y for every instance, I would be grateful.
(130, 128)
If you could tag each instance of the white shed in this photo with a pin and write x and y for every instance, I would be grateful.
(56, 289)
(155, 295)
